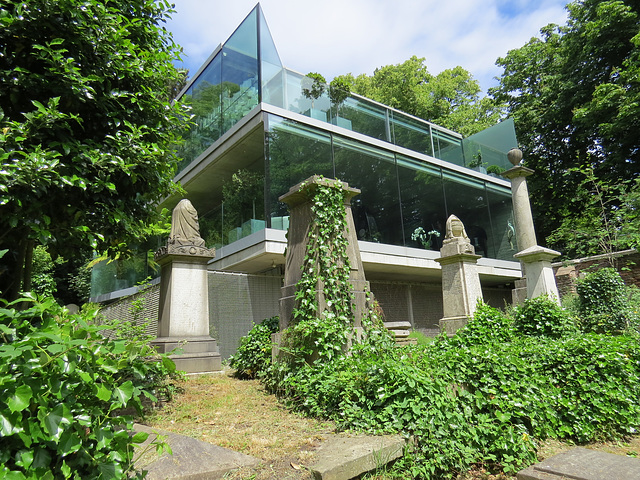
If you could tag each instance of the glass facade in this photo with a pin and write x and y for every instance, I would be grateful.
(404, 201)
(405, 198)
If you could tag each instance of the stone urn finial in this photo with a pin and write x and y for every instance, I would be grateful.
(515, 156)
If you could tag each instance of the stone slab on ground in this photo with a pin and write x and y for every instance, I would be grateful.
(584, 464)
(192, 459)
(343, 458)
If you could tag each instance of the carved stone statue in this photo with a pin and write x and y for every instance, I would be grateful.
(185, 238)
(455, 228)
(185, 229)
(456, 240)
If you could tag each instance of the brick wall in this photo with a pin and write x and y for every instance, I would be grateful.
(627, 263)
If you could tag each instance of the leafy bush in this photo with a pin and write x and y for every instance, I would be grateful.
(542, 317)
(487, 324)
(603, 303)
(64, 386)
(253, 356)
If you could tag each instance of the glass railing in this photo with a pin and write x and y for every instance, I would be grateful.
(370, 118)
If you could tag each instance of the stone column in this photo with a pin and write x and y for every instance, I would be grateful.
(183, 317)
(301, 217)
(535, 260)
(461, 288)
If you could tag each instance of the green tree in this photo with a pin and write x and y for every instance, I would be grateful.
(451, 98)
(574, 96)
(86, 126)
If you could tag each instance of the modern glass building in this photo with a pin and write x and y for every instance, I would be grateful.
(260, 128)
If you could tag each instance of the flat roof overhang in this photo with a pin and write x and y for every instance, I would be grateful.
(263, 252)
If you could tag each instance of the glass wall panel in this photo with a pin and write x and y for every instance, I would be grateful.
(503, 234)
(376, 211)
(423, 208)
(447, 147)
(272, 71)
(205, 99)
(365, 117)
(296, 152)
(411, 133)
(489, 148)
(467, 199)
(240, 72)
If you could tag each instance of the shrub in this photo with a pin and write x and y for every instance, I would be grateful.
(64, 386)
(542, 317)
(603, 303)
(488, 324)
(253, 356)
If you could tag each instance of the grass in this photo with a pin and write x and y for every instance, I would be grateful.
(241, 416)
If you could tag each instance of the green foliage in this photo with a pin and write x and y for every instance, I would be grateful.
(608, 219)
(603, 303)
(42, 278)
(542, 317)
(87, 127)
(483, 396)
(323, 313)
(573, 94)
(253, 356)
(317, 86)
(488, 325)
(65, 387)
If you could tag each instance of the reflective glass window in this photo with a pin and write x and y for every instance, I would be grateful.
(240, 72)
(376, 211)
(411, 133)
(205, 99)
(447, 147)
(467, 199)
(296, 152)
(423, 208)
(503, 232)
(366, 117)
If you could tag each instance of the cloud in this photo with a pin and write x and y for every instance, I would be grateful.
(357, 36)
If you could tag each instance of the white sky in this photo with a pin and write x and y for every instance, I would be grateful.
(334, 37)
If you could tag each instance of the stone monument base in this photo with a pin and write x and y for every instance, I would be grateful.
(199, 354)
(451, 325)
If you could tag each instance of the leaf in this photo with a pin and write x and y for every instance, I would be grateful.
(140, 437)
(296, 466)
(124, 392)
(103, 393)
(20, 399)
(55, 420)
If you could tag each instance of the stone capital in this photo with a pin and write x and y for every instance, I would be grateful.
(458, 258)
(185, 253)
(536, 254)
(517, 171)
(302, 192)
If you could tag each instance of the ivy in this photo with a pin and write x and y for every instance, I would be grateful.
(323, 315)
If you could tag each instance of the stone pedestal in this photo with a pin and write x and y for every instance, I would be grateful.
(183, 319)
(461, 288)
(299, 200)
(535, 260)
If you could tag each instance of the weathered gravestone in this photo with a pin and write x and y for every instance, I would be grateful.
(461, 289)
(183, 318)
(299, 199)
(584, 464)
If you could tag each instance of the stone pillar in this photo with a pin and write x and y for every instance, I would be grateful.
(535, 260)
(183, 316)
(461, 289)
(299, 200)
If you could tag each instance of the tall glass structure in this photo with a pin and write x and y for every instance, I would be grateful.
(260, 128)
